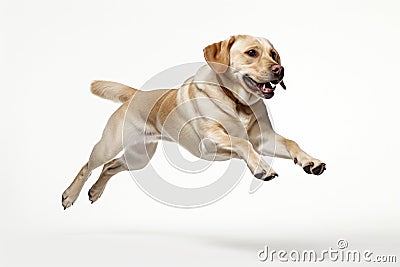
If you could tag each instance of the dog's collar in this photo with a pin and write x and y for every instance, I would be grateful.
(227, 91)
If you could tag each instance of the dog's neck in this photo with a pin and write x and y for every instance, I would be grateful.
(227, 91)
(235, 91)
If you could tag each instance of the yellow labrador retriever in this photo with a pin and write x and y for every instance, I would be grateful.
(217, 114)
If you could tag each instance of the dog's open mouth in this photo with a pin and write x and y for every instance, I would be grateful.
(267, 89)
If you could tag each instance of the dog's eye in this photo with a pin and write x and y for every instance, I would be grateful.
(273, 55)
(252, 53)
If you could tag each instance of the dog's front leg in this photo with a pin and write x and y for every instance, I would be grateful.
(285, 148)
(241, 148)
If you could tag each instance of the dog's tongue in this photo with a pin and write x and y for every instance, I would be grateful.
(264, 88)
(283, 85)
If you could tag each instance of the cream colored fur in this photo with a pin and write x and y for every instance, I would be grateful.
(201, 116)
(112, 91)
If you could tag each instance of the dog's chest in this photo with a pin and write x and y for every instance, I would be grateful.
(245, 115)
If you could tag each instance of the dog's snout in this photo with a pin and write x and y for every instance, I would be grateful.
(277, 70)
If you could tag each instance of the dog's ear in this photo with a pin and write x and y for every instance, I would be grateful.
(217, 55)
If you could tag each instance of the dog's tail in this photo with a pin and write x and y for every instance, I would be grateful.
(113, 91)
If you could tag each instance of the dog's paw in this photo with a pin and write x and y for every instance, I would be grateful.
(68, 198)
(315, 167)
(94, 193)
(266, 176)
(264, 172)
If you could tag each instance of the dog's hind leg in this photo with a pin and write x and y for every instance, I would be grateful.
(106, 149)
(110, 169)
(136, 153)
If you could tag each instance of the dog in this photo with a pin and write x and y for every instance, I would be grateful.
(217, 114)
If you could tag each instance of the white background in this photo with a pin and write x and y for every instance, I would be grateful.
(341, 105)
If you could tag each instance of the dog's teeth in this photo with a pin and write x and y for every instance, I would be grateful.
(263, 87)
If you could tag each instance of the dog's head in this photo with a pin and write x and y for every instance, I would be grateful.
(253, 61)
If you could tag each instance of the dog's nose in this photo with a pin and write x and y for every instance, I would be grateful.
(277, 70)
